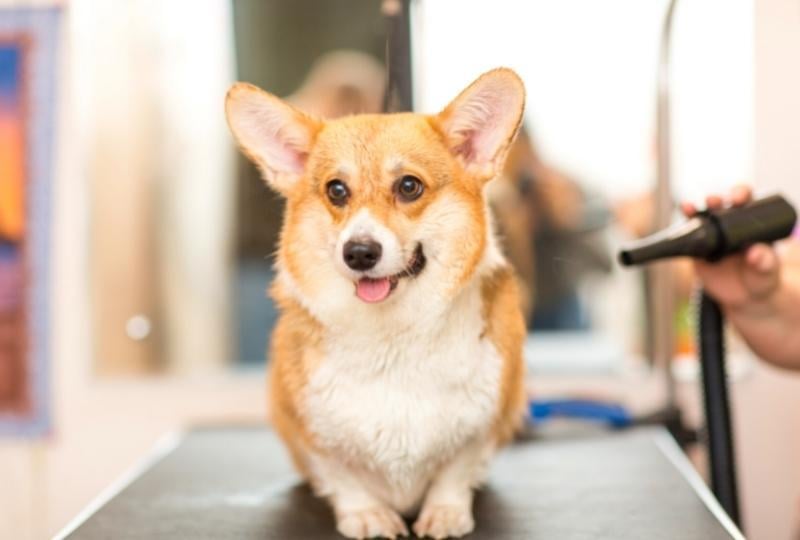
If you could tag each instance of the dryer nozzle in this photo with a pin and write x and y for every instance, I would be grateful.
(712, 234)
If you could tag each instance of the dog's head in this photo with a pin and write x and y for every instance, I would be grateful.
(379, 206)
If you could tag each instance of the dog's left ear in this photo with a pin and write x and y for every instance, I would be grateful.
(483, 120)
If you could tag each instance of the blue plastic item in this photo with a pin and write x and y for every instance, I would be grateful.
(613, 414)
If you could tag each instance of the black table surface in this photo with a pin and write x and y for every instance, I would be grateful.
(237, 482)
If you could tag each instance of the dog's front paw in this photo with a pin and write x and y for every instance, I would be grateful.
(376, 522)
(444, 521)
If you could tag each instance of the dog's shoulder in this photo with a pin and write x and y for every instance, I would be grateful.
(295, 351)
(501, 308)
(504, 327)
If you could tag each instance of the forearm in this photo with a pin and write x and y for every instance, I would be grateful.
(772, 327)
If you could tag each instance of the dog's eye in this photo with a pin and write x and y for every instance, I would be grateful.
(409, 188)
(337, 192)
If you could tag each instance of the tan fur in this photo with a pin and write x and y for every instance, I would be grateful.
(505, 327)
(298, 336)
(369, 153)
(294, 353)
(296, 350)
(420, 150)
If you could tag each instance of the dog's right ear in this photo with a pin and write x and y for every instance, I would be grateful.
(275, 135)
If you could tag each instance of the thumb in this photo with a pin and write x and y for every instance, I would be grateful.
(760, 271)
(761, 259)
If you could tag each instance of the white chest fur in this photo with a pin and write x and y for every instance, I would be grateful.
(400, 406)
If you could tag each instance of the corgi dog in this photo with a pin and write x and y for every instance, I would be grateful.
(396, 364)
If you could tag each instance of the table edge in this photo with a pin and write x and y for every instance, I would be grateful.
(670, 449)
(164, 446)
(167, 443)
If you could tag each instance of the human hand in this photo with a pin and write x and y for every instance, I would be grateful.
(743, 282)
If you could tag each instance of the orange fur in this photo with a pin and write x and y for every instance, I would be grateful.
(295, 350)
(505, 327)
(453, 158)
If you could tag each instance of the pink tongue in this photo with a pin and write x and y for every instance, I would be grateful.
(373, 290)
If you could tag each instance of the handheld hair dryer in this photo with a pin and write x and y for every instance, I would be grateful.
(711, 235)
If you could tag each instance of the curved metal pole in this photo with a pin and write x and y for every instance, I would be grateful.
(719, 437)
(662, 304)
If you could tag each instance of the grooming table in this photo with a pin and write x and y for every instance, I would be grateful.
(237, 482)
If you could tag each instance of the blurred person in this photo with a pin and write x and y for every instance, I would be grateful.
(340, 83)
(545, 223)
(758, 290)
(634, 215)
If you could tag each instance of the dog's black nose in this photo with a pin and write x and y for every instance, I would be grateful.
(362, 255)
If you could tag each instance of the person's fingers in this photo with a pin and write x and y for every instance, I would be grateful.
(754, 256)
(701, 267)
(714, 202)
(714, 271)
(761, 258)
(709, 270)
(769, 261)
(741, 194)
(688, 209)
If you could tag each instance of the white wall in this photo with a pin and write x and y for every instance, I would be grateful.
(149, 84)
(771, 476)
(590, 68)
(101, 426)
(777, 96)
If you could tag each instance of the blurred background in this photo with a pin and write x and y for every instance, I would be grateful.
(133, 301)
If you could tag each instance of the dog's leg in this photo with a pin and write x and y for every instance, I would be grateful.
(447, 510)
(359, 514)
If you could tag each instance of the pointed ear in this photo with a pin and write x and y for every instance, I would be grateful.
(483, 120)
(275, 135)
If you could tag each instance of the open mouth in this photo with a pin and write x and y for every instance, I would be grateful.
(373, 290)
